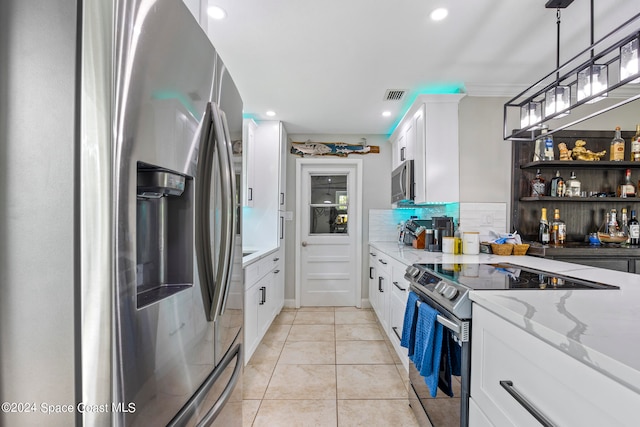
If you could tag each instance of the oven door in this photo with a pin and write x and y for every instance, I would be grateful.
(445, 411)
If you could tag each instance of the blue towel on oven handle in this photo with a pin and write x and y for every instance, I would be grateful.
(428, 346)
(409, 325)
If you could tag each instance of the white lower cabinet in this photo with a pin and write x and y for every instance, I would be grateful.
(507, 360)
(264, 298)
(388, 292)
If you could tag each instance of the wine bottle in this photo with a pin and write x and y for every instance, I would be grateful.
(543, 232)
(634, 230)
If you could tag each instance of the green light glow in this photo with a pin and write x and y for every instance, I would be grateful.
(171, 94)
(435, 89)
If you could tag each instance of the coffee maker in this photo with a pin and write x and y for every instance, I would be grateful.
(442, 227)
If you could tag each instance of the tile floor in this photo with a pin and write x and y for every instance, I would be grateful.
(325, 366)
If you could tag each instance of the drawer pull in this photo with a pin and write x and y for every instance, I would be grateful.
(398, 286)
(276, 259)
(276, 271)
(508, 386)
(383, 261)
(395, 331)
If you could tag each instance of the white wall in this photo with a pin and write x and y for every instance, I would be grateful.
(376, 194)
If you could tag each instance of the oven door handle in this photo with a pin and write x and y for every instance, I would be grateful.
(448, 324)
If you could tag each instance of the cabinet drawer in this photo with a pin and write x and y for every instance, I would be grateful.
(254, 272)
(383, 264)
(564, 390)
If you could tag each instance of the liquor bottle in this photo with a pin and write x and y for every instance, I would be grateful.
(557, 186)
(634, 230)
(558, 229)
(543, 232)
(617, 147)
(624, 224)
(548, 145)
(626, 189)
(538, 152)
(572, 188)
(538, 186)
(635, 146)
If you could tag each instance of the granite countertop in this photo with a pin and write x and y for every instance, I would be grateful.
(596, 327)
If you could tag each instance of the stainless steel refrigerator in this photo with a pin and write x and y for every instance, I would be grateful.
(119, 230)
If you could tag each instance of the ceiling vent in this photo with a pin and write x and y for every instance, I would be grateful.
(394, 94)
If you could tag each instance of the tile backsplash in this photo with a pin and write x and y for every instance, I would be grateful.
(482, 217)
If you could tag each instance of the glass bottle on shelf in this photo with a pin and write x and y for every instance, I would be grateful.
(557, 186)
(558, 229)
(624, 224)
(617, 147)
(634, 230)
(627, 189)
(538, 151)
(635, 146)
(538, 186)
(572, 188)
(543, 232)
(548, 145)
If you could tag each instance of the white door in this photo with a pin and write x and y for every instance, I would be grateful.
(329, 233)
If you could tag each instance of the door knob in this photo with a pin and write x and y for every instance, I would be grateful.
(304, 244)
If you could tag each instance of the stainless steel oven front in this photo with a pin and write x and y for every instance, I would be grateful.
(443, 410)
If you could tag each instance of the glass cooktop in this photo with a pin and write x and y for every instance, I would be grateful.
(507, 276)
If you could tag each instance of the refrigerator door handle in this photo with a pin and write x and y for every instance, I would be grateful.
(199, 397)
(232, 218)
(227, 210)
(202, 206)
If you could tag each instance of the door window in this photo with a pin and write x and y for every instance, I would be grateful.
(329, 207)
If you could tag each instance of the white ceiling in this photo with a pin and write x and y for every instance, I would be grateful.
(324, 66)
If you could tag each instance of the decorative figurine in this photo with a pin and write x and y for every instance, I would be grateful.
(579, 152)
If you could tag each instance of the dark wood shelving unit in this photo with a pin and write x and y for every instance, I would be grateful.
(583, 215)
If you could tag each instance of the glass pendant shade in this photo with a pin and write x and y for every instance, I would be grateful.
(530, 114)
(629, 61)
(557, 99)
(593, 80)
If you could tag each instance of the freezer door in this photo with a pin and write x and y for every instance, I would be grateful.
(164, 342)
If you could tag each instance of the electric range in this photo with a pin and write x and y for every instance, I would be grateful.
(449, 284)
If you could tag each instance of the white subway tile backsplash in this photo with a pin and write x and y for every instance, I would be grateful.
(484, 217)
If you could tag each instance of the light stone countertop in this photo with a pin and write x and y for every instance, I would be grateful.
(600, 328)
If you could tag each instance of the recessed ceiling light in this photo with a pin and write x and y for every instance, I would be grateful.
(216, 12)
(386, 113)
(270, 113)
(439, 14)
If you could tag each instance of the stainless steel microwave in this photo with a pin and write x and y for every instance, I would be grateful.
(402, 182)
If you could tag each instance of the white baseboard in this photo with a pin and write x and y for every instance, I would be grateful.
(365, 303)
(290, 303)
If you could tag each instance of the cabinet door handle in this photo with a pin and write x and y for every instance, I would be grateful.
(281, 227)
(402, 155)
(263, 297)
(398, 286)
(380, 284)
(508, 386)
(250, 194)
(371, 273)
(281, 199)
(372, 254)
(395, 331)
(383, 261)
(276, 272)
(276, 259)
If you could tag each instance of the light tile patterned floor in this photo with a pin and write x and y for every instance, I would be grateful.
(326, 366)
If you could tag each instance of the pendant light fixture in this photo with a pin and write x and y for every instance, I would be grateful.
(584, 79)
(629, 60)
(594, 79)
(557, 100)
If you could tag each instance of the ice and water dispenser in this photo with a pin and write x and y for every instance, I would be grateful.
(164, 233)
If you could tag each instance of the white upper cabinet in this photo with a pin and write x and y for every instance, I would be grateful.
(263, 159)
(428, 135)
